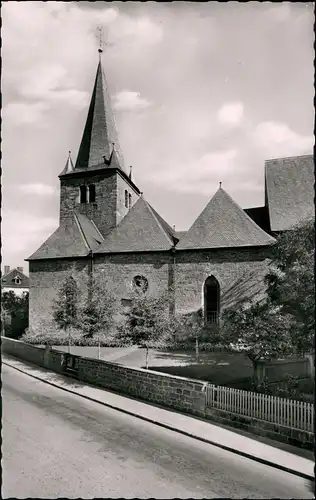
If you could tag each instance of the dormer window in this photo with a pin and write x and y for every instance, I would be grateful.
(91, 193)
(126, 198)
(129, 200)
(83, 194)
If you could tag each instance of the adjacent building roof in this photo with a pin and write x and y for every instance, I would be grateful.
(15, 278)
(223, 224)
(141, 230)
(100, 134)
(289, 190)
(75, 237)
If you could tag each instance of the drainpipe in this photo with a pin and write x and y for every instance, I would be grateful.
(90, 280)
(173, 282)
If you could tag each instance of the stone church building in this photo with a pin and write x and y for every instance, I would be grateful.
(108, 228)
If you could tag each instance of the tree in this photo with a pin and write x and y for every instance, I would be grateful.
(146, 322)
(284, 322)
(65, 306)
(14, 313)
(291, 282)
(260, 330)
(96, 313)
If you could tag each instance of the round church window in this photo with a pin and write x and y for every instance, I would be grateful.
(140, 284)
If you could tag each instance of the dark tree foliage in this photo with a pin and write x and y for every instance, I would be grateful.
(14, 314)
(65, 307)
(291, 282)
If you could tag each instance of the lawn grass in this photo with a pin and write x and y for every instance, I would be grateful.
(217, 368)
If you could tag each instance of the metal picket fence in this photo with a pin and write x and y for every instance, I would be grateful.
(291, 413)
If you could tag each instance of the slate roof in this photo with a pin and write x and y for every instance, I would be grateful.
(100, 130)
(75, 237)
(141, 230)
(223, 224)
(180, 234)
(289, 190)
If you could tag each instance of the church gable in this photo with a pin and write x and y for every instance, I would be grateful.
(223, 224)
(141, 230)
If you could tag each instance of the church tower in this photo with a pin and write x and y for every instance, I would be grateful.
(98, 185)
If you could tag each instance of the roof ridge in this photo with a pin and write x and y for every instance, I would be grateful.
(14, 269)
(288, 157)
(249, 218)
(97, 230)
(139, 231)
(81, 231)
(152, 210)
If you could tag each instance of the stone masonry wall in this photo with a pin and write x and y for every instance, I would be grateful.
(179, 393)
(171, 391)
(109, 206)
(121, 186)
(120, 269)
(103, 211)
(277, 432)
(46, 278)
(239, 273)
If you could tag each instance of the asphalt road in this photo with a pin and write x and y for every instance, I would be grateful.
(57, 444)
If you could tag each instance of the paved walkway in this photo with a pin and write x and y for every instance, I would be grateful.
(194, 427)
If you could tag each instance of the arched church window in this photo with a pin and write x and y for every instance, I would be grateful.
(91, 193)
(140, 284)
(83, 194)
(126, 199)
(129, 200)
(211, 300)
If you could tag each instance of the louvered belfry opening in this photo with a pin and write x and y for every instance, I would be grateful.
(211, 300)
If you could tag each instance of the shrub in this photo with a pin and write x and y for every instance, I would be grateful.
(48, 333)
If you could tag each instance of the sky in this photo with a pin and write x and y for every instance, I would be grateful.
(202, 93)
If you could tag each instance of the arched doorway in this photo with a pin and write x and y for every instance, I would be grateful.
(211, 300)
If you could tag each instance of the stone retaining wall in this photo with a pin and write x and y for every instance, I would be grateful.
(175, 392)
(179, 393)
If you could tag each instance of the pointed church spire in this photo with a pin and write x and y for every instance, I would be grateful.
(100, 139)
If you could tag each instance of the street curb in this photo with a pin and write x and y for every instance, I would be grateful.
(169, 427)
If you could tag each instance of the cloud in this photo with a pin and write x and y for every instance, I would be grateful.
(279, 12)
(142, 29)
(21, 113)
(23, 232)
(277, 139)
(127, 100)
(201, 176)
(52, 83)
(38, 189)
(231, 113)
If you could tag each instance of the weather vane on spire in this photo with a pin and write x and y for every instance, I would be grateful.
(100, 37)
